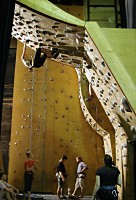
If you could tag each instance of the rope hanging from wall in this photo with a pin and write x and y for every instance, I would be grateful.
(44, 127)
(31, 115)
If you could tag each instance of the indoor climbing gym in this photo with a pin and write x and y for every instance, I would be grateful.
(68, 99)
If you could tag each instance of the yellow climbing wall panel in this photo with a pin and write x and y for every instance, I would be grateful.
(77, 11)
(47, 119)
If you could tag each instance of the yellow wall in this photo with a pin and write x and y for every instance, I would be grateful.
(77, 11)
(47, 119)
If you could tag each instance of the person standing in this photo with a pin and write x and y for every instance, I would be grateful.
(7, 191)
(30, 166)
(82, 167)
(61, 176)
(107, 177)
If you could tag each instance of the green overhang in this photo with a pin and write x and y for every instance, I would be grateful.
(51, 10)
(118, 48)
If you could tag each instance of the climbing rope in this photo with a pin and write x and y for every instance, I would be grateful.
(31, 111)
(44, 127)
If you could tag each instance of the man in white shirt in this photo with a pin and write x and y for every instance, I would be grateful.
(80, 176)
(7, 191)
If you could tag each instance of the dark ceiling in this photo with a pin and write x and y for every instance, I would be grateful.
(67, 2)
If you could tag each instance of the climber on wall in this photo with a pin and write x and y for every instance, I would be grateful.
(39, 57)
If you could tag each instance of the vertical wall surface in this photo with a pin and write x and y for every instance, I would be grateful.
(47, 119)
(77, 11)
(57, 111)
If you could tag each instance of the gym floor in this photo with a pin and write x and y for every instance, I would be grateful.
(49, 197)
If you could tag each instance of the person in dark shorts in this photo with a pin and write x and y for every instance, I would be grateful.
(61, 176)
(107, 177)
(30, 166)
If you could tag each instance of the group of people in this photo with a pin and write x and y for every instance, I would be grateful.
(107, 177)
(62, 177)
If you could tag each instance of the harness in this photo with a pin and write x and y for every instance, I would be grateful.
(109, 189)
(81, 175)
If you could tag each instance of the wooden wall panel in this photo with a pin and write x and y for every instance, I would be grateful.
(47, 119)
(77, 11)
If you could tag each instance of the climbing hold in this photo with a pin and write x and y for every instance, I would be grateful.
(122, 134)
(126, 105)
(89, 66)
(133, 129)
(103, 63)
(62, 71)
(96, 58)
(100, 71)
(120, 125)
(108, 73)
(122, 109)
(127, 120)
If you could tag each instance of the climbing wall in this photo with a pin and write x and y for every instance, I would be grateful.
(77, 11)
(59, 109)
(48, 120)
(115, 104)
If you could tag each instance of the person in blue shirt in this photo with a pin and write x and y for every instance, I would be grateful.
(7, 191)
(82, 167)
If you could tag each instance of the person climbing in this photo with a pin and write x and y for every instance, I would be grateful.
(39, 58)
(37, 61)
